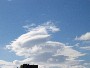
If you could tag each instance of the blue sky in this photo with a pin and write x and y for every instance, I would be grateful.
(70, 19)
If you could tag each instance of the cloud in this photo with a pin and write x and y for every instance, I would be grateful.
(49, 26)
(5, 64)
(86, 47)
(38, 48)
(84, 37)
(68, 51)
(66, 64)
(25, 44)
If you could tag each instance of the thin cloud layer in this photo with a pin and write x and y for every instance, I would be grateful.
(5, 64)
(38, 48)
(86, 47)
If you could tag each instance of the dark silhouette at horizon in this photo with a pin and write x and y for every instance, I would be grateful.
(28, 66)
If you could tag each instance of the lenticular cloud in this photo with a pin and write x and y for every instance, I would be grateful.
(37, 46)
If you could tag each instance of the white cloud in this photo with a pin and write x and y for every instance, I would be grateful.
(5, 64)
(66, 64)
(84, 37)
(86, 47)
(24, 45)
(49, 26)
(37, 47)
(68, 51)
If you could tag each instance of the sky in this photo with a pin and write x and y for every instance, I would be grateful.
(50, 33)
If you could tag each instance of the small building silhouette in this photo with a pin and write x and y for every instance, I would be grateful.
(28, 66)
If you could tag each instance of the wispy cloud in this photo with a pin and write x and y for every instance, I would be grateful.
(86, 47)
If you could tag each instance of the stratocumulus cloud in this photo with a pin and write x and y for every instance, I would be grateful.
(38, 48)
